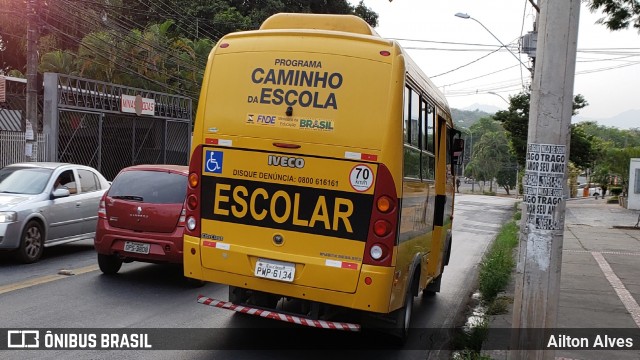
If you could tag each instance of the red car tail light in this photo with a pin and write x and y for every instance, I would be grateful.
(102, 210)
(183, 216)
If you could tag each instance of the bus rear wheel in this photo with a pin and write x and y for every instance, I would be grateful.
(403, 317)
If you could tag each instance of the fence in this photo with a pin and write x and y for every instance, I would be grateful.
(110, 142)
(87, 125)
(12, 146)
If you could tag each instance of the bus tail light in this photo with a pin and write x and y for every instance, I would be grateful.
(192, 202)
(194, 180)
(384, 204)
(381, 227)
(192, 213)
(383, 224)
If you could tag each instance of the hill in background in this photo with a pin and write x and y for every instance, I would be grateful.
(627, 120)
(466, 118)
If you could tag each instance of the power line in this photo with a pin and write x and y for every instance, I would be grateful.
(481, 76)
(126, 69)
(465, 65)
(125, 39)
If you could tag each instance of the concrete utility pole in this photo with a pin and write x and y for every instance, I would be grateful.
(31, 118)
(541, 235)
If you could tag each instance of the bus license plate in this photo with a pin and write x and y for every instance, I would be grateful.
(136, 247)
(275, 270)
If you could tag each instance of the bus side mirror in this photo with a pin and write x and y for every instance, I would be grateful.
(457, 151)
(458, 145)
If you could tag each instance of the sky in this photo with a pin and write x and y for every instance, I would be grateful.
(607, 65)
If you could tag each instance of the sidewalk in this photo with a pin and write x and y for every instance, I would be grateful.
(600, 281)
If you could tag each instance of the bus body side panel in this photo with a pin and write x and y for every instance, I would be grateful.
(444, 199)
(416, 234)
(391, 156)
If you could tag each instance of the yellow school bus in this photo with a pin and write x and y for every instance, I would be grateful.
(320, 174)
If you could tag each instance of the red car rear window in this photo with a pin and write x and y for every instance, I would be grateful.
(154, 187)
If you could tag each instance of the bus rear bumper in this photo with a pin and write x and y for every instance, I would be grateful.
(373, 297)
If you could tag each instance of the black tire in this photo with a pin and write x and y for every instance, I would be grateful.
(109, 264)
(403, 317)
(237, 295)
(31, 243)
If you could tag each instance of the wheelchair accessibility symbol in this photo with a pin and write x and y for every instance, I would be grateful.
(214, 162)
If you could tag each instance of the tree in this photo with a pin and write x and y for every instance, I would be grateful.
(491, 156)
(620, 13)
(610, 136)
(59, 61)
(618, 162)
(602, 177)
(516, 121)
(98, 56)
(366, 14)
(507, 177)
(214, 18)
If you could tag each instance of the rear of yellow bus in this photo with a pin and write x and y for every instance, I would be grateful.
(295, 174)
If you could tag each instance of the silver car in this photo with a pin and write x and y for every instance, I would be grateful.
(47, 204)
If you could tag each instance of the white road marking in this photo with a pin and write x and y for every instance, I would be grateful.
(624, 294)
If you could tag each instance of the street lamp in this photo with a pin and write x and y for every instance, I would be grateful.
(467, 16)
(473, 181)
(501, 97)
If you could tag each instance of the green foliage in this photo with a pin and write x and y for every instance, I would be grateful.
(517, 215)
(613, 200)
(618, 162)
(62, 62)
(366, 14)
(465, 118)
(470, 341)
(496, 267)
(506, 178)
(574, 172)
(615, 191)
(620, 14)
(608, 136)
(160, 46)
(516, 121)
(490, 154)
(602, 176)
(499, 305)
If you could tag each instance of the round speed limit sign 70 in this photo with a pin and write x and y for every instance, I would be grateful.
(361, 178)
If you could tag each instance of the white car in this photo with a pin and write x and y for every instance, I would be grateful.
(47, 204)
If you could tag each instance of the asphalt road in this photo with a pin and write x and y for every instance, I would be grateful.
(45, 296)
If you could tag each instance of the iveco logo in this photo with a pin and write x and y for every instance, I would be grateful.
(286, 161)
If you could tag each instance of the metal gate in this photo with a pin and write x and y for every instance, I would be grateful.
(85, 120)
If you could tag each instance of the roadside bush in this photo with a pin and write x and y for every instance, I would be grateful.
(615, 191)
(495, 269)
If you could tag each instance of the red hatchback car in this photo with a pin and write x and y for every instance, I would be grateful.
(141, 217)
